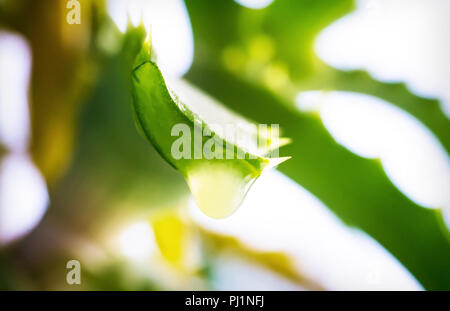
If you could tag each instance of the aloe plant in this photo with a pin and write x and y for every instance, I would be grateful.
(321, 165)
(218, 167)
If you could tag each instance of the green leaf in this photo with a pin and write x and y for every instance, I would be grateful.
(218, 169)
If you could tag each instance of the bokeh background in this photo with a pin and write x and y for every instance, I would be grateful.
(361, 88)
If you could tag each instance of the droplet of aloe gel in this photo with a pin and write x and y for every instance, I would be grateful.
(218, 189)
(218, 185)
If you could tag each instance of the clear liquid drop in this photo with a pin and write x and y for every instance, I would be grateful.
(218, 189)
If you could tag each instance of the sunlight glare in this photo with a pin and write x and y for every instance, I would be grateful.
(15, 65)
(254, 4)
(137, 241)
(411, 155)
(23, 197)
(395, 41)
(169, 26)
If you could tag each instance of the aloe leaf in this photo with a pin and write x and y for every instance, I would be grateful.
(218, 169)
